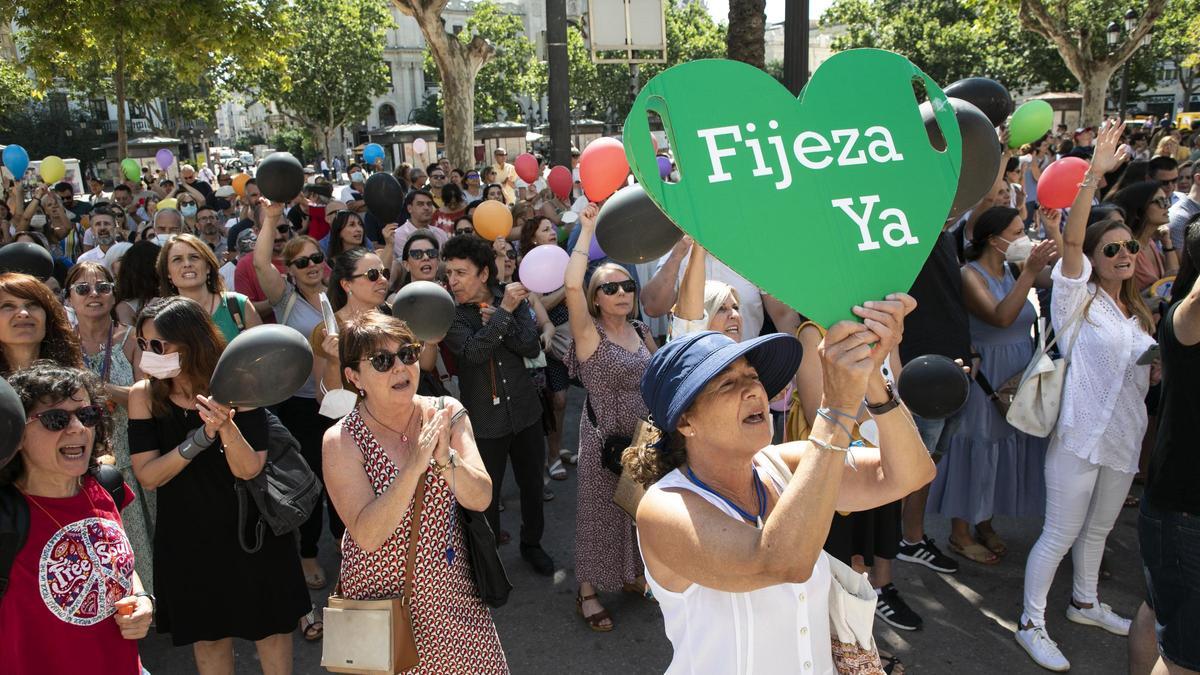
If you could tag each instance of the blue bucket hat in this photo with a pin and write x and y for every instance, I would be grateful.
(679, 371)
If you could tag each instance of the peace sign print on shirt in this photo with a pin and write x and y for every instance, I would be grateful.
(84, 569)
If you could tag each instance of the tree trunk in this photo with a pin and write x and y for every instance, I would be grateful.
(458, 115)
(1093, 84)
(747, 27)
(119, 87)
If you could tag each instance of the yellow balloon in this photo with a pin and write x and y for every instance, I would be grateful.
(168, 203)
(52, 169)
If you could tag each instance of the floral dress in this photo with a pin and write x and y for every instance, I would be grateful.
(453, 629)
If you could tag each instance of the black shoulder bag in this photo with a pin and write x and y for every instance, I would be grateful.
(286, 491)
(612, 447)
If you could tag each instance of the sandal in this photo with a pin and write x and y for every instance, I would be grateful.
(316, 581)
(975, 552)
(556, 470)
(992, 541)
(568, 457)
(1132, 502)
(891, 664)
(594, 621)
(311, 626)
(638, 589)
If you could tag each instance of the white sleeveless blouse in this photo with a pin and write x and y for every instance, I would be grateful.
(777, 629)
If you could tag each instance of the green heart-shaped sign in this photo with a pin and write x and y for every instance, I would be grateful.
(824, 202)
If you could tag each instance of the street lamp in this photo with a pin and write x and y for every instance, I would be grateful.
(1113, 35)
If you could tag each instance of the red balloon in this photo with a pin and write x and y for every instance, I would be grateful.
(603, 168)
(1059, 184)
(560, 181)
(527, 167)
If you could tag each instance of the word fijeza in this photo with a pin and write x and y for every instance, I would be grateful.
(814, 151)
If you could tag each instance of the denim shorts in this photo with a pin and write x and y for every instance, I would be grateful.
(936, 433)
(1170, 543)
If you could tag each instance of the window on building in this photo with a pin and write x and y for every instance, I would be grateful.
(57, 102)
(98, 107)
(391, 76)
(387, 115)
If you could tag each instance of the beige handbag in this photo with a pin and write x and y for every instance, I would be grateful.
(629, 492)
(1035, 405)
(375, 636)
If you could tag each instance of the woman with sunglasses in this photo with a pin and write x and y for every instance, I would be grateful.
(187, 267)
(190, 449)
(110, 351)
(137, 280)
(472, 187)
(1103, 327)
(399, 459)
(297, 304)
(1147, 207)
(506, 260)
(609, 355)
(76, 547)
(33, 325)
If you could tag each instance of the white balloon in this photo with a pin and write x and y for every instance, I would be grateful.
(420, 146)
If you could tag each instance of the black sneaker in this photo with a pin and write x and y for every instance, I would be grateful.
(891, 608)
(538, 559)
(926, 553)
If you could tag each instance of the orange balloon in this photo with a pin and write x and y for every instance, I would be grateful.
(603, 168)
(239, 184)
(492, 220)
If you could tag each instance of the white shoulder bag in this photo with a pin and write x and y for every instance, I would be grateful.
(1036, 404)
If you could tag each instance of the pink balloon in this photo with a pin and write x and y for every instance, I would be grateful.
(544, 268)
(560, 181)
(1059, 184)
(527, 167)
(603, 168)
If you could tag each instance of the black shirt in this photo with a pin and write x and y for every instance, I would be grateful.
(939, 324)
(1175, 462)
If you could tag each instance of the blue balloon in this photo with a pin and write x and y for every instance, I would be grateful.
(372, 153)
(16, 160)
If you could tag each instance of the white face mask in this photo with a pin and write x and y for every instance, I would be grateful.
(37, 221)
(162, 239)
(1018, 249)
(357, 177)
(160, 366)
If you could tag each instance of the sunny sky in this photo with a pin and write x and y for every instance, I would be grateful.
(720, 9)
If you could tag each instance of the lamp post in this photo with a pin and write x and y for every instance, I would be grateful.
(1113, 35)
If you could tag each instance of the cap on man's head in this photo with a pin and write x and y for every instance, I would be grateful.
(246, 240)
(1083, 130)
(224, 191)
(500, 151)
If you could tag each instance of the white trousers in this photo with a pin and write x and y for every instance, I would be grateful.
(1083, 501)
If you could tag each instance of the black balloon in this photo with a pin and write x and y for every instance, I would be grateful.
(988, 95)
(12, 422)
(27, 258)
(933, 386)
(384, 197)
(426, 307)
(280, 177)
(632, 229)
(980, 152)
(262, 366)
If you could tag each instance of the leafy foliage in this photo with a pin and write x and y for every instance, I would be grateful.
(43, 129)
(15, 88)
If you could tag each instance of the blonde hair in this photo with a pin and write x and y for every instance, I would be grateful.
(1162, 150)
(715, 295)
(594, 286)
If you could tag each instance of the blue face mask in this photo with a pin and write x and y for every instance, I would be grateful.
(188, 210)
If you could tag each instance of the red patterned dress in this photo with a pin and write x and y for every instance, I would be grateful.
(453, 628)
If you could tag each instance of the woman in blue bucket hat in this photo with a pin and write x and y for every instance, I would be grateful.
(731, 527)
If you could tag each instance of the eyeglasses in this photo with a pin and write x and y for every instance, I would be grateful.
(306, 260)
(374, 273)
(510, 254)
(153, 345)
(464, 230)
(57, 419)
(207, 219)
(1111, 250)
(384, 361)
(186, 203)
(437, 176)
(1166, 182)
(1161, 202)
(423, 254)
(629, 286)
(284, 228)
(84, 288)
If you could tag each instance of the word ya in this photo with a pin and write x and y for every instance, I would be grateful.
(896, 233)
(810, 148)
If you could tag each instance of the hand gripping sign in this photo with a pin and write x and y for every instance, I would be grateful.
(824, 202)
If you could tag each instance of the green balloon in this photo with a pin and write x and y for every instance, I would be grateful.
(131, 169)
(1030, 122)
(824, 202)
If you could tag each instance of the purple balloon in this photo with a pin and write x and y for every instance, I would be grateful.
(595, 252)
(544, 268)
(664, 167)
(165, 158)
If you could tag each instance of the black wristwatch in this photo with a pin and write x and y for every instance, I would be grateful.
(887, 406)
(153, 602)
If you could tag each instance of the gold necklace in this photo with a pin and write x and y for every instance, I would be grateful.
(51, 516)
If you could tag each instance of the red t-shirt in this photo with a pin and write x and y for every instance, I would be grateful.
(57, 614)
(318, 226)
(245, 279)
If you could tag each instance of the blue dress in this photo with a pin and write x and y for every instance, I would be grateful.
(990, 468)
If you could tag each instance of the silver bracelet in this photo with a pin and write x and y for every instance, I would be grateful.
(829, 447)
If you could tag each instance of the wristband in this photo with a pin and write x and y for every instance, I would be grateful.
(828, 415)
(887, 406)
(196, 443)
(153, 602)
(1168, 250)
(573, 252)
(829, 447)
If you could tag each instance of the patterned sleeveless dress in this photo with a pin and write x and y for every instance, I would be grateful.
(453, 628)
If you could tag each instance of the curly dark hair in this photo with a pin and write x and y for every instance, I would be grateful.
(475, 249)
(649, 461)
(49, 383)
(60, 343)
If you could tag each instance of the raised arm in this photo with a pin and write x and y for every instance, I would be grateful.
(1106, 157)
(272, 282)
(658, 295)
(583, 330)
(1002, 313)
(690, 305)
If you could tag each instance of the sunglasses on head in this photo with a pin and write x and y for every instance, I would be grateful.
(611, 288)
(1111, 250)
(384, 361)
(84, 288)
(57, 419)
(153, 345)
(306, 260)
(374, 273)
(423, 254)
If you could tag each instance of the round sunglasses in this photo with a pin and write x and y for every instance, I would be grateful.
(374, 273)
(57, 419)
(383, 362)
(306, 260)
(611, 288)
(101, 288)
(1111, 250)
(423, 254)
(510, 254)
(153, 345)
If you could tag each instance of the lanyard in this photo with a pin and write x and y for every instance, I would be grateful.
(759, 489)
(107, 355)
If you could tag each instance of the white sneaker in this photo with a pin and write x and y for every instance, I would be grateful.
(1044, 651)
(1100, 615)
